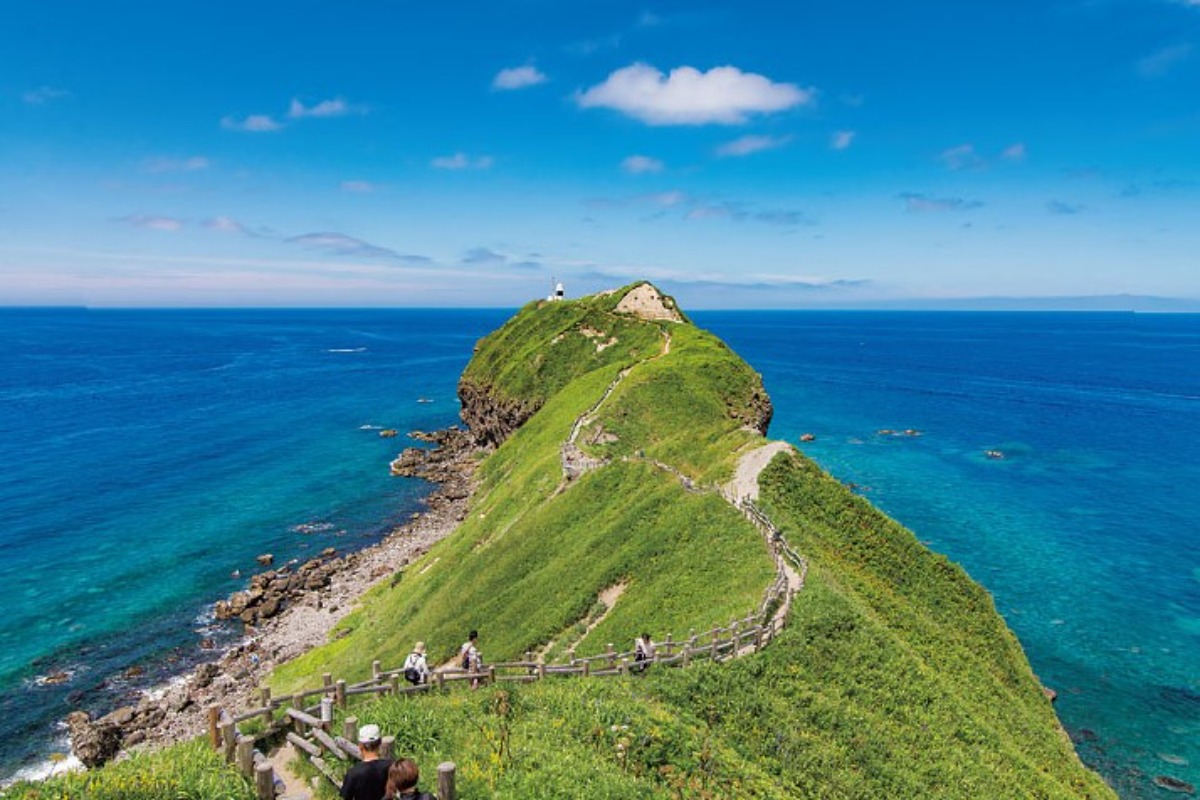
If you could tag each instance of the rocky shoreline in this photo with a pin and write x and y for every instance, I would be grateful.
(288, 611)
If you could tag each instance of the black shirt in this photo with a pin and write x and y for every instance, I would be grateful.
(366, 781)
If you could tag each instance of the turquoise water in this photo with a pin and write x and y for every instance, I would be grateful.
(150, 454)
(1085, 532)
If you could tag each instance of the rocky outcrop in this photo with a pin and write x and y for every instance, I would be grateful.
(490, 417)
(646, 302)
(757, 413)
(94, 743)
(271, 592)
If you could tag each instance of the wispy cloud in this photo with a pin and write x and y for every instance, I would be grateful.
(518, 78)
(336, 107)
(226, 225)
(722, 95)
(255, 123)
(167, 164)
(343, 245)
(752, 143)
(1162, 61)
(962, 156)
(918, 203)
(153, 222)
(841, 140)
(461, 160)
(43, 95)
(358, 187)
(483, 255)
(1014, 152)
(1066, 209)
(637, 165)
(665, 199)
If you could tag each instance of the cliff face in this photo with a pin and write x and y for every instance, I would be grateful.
(491, 417)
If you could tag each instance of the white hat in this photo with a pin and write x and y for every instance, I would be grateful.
(368, 734)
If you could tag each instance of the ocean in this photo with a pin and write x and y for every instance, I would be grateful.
(152, 454)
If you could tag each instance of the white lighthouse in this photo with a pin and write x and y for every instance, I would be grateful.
(558, 293)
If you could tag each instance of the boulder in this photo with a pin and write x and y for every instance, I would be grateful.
(266, 559)
(93, 743)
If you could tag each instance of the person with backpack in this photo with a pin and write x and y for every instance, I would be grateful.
(402, 782)
(643, 652)
(416, 669)
(469, 658)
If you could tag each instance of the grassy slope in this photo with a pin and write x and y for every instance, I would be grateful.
(529, 562)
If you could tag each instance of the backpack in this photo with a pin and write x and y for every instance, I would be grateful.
(411, 673)
(466, 659)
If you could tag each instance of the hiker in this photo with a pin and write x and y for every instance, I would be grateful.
(368, 779)
(469, 658)
(643, 652)
(416, 669)
(402, 782)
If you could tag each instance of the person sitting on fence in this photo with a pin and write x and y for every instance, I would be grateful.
(643, 652)
(469, 658)
(416, 669)
(402, 782)
(367, 780)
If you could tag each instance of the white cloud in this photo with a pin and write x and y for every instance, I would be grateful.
(1162, 61)
(842, 139)
(518, 77)
(343, 245)
(1014, 152)
(918, 203)
(337, 107)
(43, 94)
(751, 144)
(723, 95)
(255, 123)
(962, 156)
(667, 199)
(225, 225)
(151, 222)
(461, 160)
(166, 164)
(637, 165)
(361, 187)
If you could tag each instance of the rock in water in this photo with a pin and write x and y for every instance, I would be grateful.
(1174, 785)
(93, 743)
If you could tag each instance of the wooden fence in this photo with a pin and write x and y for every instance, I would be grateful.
(307, 716)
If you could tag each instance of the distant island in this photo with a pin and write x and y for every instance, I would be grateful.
(613, 479)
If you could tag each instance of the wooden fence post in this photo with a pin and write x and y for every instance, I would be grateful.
(668, 645)
(395, 685)
(268, 718)
(624, 666)
(541, 670)
(387, 746)
(264, 782)
(716, 638)
(350, 729)
(229, 740)
(326, 713)
(245, 755)
(687, 656)
(612, 659)
(571, 654)
(445, 783)
(758, 639)
(491, 672)
(440, 679)
(375, 669)
(587, 669)
(214, 730)
(327, 680)
(339, 694)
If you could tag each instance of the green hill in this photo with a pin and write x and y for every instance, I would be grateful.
(599, 515)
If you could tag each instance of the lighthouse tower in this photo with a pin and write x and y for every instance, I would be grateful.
(558, 293)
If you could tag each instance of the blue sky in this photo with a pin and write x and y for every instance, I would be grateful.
(742, 154)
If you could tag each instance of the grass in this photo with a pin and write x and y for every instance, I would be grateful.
(188, 771)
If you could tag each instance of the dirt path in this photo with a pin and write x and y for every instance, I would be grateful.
(744, 485)
(295, 787)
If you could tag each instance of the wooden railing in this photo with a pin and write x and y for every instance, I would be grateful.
(311, 723)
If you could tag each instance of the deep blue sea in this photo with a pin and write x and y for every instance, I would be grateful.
(149, 454)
